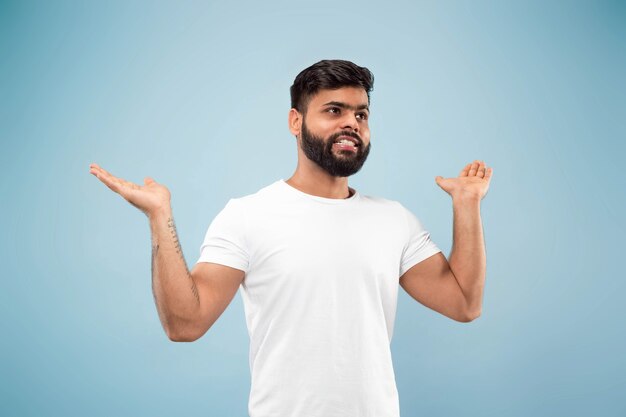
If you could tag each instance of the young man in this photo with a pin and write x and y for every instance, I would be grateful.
(319, 264)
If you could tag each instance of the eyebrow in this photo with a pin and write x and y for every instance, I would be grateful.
(347, 106)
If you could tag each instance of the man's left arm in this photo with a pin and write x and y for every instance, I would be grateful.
(454, 288)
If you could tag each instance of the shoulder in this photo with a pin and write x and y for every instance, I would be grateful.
(382, 203)
(263, 195)
(391, 208)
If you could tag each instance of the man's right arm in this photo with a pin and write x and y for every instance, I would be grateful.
(188, 303)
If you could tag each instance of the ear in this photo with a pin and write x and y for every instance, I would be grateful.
(295, 122)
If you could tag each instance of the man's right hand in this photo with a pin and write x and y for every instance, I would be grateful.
(149, 198)
(188, 303)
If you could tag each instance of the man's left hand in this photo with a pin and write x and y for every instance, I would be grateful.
(472, 182)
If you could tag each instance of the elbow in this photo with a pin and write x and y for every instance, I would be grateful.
(177, 338)
(183, 329)
(181, 335)
(469, 316)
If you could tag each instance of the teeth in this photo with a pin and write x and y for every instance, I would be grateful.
(346, 142)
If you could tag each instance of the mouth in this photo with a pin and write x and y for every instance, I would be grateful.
(346, 143)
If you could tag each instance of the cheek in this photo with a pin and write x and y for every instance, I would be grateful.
(365, 136)
(329, 126)
(321, 125)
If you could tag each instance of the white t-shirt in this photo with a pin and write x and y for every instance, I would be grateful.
(320, 293)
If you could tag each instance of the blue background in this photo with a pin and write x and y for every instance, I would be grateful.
(195, 94)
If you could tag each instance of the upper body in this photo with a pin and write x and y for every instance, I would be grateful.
(319, 280)
(322, 265)
(320, 293)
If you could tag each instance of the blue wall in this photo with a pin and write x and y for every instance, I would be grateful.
(195, 94)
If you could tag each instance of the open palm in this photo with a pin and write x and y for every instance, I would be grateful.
(148, 198)
(472, 182)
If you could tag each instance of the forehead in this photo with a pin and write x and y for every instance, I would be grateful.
(354, 96)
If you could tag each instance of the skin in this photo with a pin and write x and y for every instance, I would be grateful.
(454, 288)
(189, 302)
(323, 120)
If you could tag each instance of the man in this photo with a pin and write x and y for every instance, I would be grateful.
(318, 263)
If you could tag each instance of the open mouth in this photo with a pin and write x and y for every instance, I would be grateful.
(346, 143)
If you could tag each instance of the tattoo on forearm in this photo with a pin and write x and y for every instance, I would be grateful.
(172, 227)
(155, 251)
(179, 250)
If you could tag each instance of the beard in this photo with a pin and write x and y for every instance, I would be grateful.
(320, 151)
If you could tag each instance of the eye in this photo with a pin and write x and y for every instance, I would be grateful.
(334, 110)
(362, 115)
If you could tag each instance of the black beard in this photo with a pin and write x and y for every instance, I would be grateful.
(321, 152)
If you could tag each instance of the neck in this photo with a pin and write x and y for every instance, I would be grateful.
(311, 179)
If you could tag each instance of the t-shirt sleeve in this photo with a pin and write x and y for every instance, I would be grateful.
(224, 242)
(418, 246)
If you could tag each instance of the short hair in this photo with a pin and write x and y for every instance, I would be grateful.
(328, 74)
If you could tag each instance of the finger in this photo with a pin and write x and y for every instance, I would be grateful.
(121, 182)
(95, 166)
(129, 184)
(481, 169)
(441, 181)
(102, 174)
(473, 169)
(113, 184)
(97, 170)
(465, 171)
(488, 173)
(119, 185)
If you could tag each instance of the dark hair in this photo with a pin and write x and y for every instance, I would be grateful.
(329, 74)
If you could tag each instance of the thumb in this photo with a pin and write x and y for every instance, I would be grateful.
(438, 180)
(148, 181)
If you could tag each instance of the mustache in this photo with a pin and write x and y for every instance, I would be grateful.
(346, 133)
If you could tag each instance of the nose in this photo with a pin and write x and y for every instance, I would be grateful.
(350, 122)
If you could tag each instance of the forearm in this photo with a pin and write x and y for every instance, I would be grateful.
(175, 293)
(468, 259)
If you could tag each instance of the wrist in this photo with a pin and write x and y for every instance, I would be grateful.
(466, 200)
(160, 213)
